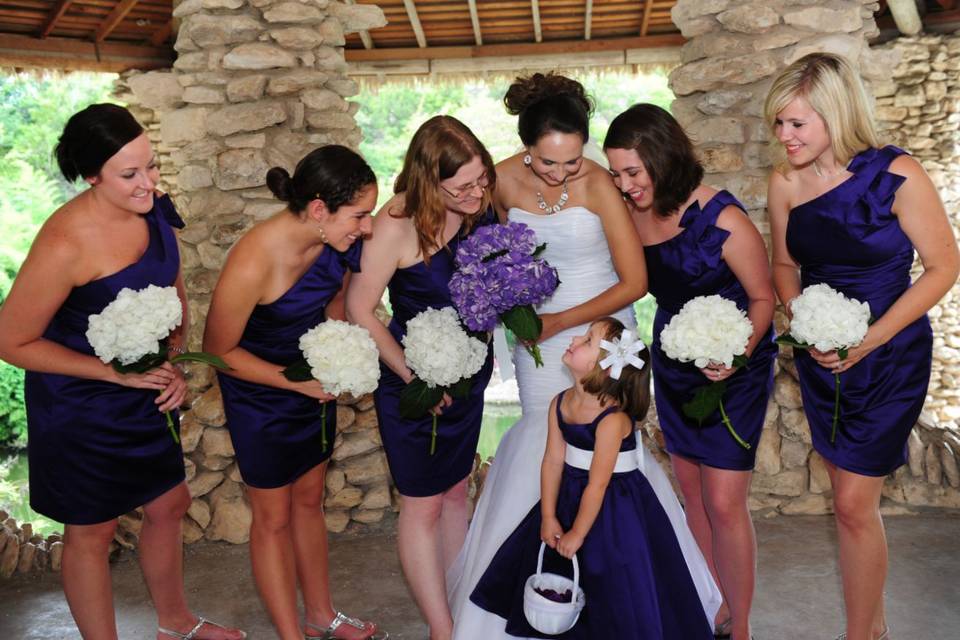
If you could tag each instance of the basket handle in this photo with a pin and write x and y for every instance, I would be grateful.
(576, 573)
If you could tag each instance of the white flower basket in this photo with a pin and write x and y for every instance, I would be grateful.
(545, 615)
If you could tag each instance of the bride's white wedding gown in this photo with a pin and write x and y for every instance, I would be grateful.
(577, 248)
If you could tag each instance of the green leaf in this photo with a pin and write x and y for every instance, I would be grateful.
(842, 352)
(202, 357)
(741, 360)
(144, 364)
(540, 249)
(299, 371)
(494, 255)
(417, 398)
(523, 321)
(460, 389)
(790, 341)
(705, 401)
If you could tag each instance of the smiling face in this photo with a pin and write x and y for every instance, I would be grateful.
(350, 222)
(464, 191)
(584, 351)
(556, 156)
(803, 133)
(631, 177)
(128, 179)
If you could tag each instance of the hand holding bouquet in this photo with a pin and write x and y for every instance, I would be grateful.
(709, 330)
(342, 357)
(443, 358)
(500, 277)
(129, 333)
(826, 320)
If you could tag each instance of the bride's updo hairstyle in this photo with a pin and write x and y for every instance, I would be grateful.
(93, 136)
(632, 391)
(333, 173)
(664, 148)
(547, 103)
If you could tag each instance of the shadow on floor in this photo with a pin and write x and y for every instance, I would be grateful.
(798, 589)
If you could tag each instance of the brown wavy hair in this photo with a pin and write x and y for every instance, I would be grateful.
(632, 391)
(438, 149)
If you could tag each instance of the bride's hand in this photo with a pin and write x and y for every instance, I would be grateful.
(551, 326)
(550, 532)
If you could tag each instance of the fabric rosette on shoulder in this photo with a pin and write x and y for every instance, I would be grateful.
(709, 330)
(826, 320)
(341, 356)
(443, 358)
(500, 278)
(130, 333)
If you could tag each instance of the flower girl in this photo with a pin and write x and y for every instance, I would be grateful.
(597, 503)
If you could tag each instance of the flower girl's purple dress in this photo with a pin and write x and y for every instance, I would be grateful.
(686, 266)
(407, 442)
(850, 239)
(278, 434)
(632, 570)
(97, 449)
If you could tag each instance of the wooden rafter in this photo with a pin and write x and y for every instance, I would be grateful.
(645, 22)
(587, 19)
(114, 19)
(947, 4)
(537, 29)
(55, 14)
(73, 54)
(475, 21)
(160, 35)
(363, 33)
(415, 23)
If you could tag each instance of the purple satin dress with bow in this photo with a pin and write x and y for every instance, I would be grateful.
(850, 239)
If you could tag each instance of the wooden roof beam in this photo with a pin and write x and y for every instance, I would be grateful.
(415, 22)
(906, 16)
(55, 14)
(537, 30)
(475, 20)
(587, 19)
(160, 35)
(114, 19)
(72, 54)
(645, 21)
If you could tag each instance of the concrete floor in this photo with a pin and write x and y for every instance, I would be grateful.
(798, 591)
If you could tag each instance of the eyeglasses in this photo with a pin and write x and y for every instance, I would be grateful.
(461, 194)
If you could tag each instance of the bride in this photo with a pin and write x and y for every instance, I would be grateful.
(573, 206)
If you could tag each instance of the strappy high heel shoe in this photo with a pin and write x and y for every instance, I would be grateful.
(340, 620)
(883, 636)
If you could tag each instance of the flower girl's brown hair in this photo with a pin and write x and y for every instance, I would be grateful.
(632, 391)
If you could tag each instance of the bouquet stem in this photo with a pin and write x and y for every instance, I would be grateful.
(323, 427)
(173, 429)
(836, 408)
(433, 436)
(534, 350)
(733, 432)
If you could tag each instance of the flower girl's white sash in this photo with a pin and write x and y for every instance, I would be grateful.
(581, 459)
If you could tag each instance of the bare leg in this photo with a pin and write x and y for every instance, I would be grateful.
(419, 546)
(86, 579)
(689, 477)
(309, 531)
(453, 522)
(161, 560)
(863, 550)
(734, 541)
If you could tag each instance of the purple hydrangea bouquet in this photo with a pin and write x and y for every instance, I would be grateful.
(500, 278)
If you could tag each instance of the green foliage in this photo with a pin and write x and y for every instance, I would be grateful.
(13, 416)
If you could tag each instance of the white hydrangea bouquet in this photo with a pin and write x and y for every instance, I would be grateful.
(130, 333)
(827, 320)
(709, 330)
(342, 357)
(443, 359)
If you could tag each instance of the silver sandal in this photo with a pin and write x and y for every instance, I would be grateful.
(883, 636)
(722, 630)
(339, 620)
(192, 634)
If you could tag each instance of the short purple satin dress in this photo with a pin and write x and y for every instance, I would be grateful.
(278, 434)
(682, 268)
(407, 442)
(97, 450)
(850, 239)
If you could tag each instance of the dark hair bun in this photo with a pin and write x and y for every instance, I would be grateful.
(91, 137)
(547, 103)
(280, 184)
(527, 91)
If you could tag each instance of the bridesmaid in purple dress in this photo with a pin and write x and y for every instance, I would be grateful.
(98, 441)
(441, 196)
(849, 213)
(284, 277)
(698, 241)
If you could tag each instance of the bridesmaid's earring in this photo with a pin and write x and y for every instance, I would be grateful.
(527, 159)
(323, 235)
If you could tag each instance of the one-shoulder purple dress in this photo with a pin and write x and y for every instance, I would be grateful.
(682, 268)
(96, 449)
(415, 472)
(632, 569)
(850, 239)
(278, 434)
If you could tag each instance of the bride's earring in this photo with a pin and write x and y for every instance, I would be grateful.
(527, 159)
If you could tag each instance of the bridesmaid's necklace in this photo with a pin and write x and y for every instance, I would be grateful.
(550, 210)
(820, 173)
